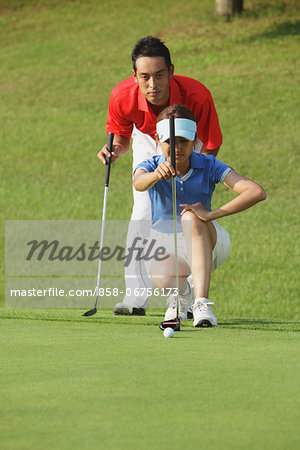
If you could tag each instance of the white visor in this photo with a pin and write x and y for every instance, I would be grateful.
(183, 127)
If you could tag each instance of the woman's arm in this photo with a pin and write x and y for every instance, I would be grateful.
(249, 192)
(143, 181)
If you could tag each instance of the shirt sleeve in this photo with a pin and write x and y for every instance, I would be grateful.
(219, 170)
(208, 128)
(148, 165)
(116, 121)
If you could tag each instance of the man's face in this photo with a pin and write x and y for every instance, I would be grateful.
(153, 78)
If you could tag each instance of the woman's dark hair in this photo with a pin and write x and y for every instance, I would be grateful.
(176, 111)
(150, 46)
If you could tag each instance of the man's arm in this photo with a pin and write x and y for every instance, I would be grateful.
(214, 152)
(120, 147)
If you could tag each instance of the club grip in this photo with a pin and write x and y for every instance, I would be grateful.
(172, 142)
(110, 139)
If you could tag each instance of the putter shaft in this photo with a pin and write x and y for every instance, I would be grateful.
(173, 162)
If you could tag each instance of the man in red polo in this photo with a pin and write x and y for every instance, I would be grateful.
(133, 108)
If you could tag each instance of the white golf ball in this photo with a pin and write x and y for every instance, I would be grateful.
(168, 332)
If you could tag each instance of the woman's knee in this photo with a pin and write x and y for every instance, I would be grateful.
(191, 223)
(188, 216)
(162, 273)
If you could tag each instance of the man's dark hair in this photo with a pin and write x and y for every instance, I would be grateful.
(150, 46)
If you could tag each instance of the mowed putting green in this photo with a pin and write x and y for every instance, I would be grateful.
(117, 383)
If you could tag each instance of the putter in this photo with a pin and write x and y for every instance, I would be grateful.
(110, 139)
(175, 324)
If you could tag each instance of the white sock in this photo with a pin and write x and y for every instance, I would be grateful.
(201, 299)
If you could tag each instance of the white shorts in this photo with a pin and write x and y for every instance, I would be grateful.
(166, 240)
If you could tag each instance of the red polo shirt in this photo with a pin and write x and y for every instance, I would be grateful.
(128, 106)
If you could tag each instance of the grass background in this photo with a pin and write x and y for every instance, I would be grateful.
(58, 63)
(113, 382)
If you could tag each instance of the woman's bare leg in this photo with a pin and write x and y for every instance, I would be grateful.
(200, 239)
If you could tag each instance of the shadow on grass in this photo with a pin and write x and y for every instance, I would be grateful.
(153, 318)
(257, 321)
(268, 8)
(261, 324)
(280, 30)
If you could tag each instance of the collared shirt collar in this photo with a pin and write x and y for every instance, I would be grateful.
(197, 160)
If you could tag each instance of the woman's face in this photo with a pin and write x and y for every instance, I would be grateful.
(183, 150)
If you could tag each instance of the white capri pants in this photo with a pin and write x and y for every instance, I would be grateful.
(166, 240)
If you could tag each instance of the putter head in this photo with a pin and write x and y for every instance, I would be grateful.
(91, 312)
(175, 324)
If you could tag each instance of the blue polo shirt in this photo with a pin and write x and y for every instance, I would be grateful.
(197, 185)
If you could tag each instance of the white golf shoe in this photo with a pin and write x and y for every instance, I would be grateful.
(184, 301)
(203, 315)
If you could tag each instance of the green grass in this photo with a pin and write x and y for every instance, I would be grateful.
(71, 382)
(58, 64)
(115, 382)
